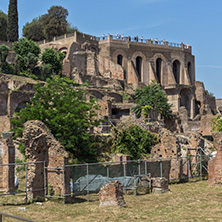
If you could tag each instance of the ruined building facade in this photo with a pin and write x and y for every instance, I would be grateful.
(133, 64)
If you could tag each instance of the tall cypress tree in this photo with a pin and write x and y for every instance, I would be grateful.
(12, 30)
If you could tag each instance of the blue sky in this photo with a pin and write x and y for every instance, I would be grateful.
(196, 22)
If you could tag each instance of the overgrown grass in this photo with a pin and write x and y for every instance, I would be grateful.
(194, 201)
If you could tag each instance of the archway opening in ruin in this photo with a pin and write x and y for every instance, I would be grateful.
(21, 105)
(185, 100)
(176, 71)
(189, 68)
(139, 61)
(158, 69)
(120, 59)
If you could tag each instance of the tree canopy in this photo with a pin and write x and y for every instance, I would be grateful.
(152, 97)
(34, 30)
(63, 107)
(54, 58)
(55, 22)
(133, 141)
(27, 54)
(3, 26)
(12, 27)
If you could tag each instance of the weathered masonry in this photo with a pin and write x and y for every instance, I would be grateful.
(171, 65)
(132, 62)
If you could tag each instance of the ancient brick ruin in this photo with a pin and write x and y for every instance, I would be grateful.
(159, 185)
(7, 157)
(215, 168)
(41, 146)
(111, 194)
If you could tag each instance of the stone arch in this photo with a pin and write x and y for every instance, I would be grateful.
(96, 94)
(118, 52)
(189, 70)
(139, 59)
(177, 70)
(185, 100)
(64, 50)
(116, 97)
(159, 62)
(120, 59)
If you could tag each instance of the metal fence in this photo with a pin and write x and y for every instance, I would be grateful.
(86, 179)
(19, 194)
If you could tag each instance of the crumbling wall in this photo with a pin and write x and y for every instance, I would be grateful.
(41, 146)
(7, 156)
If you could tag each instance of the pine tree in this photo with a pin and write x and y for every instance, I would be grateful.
(12, 30)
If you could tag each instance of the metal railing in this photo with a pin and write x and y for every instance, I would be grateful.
(14, 217)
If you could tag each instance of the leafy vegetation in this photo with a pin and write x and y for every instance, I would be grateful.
(3, 26)
(53, 58)
(153, 96)
(27, 54)
(216, 124)
(133, 141)
(63, 107)
(12, 26)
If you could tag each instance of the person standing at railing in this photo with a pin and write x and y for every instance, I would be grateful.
(129, 39)
(156, 40)
(103, 36)
(122, 36)
(141, 38)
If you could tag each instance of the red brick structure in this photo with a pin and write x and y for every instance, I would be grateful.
(42, 146)
(111, 194)
(7, 156)
(215, 168)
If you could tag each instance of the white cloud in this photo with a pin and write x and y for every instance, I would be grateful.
(210, 66)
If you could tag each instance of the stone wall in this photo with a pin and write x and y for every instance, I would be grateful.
(41, 146)
(7, 172)
(215, 168)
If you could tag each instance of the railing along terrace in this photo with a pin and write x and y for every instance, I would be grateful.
(143, 40)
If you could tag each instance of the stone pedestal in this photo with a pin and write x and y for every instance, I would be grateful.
(160, 185)
(111, 194)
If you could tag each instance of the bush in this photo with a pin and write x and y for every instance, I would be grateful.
(133, 141)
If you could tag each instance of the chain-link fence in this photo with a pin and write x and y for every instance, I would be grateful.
(88, 178)
(14, 187)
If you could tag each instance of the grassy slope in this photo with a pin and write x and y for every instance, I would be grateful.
(186, 202)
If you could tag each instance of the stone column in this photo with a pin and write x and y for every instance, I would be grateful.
(7, 172)
(192, 108)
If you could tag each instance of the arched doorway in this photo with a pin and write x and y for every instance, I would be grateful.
(158, 69)
(185, 100)
(176, 71)
(189, 69)
(139, 61)
(120, 59)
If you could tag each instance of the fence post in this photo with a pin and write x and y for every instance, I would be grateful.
(161, 168)
(26, 188)
(200, 167)
(146, 167)
(139, 169)
(124, 174)
(63, 178)
(107, 171)
(44, 182)
(188, 167)
(176, 169)
(87, 170)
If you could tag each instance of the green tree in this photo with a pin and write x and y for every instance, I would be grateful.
(152, 97)
(5, 67)
(54, 58)
(27, 54)
(34, 30)
(3, 26)
(133, 141)
(63, 107)
(216, 124)
(12, 28)
(55, 22)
